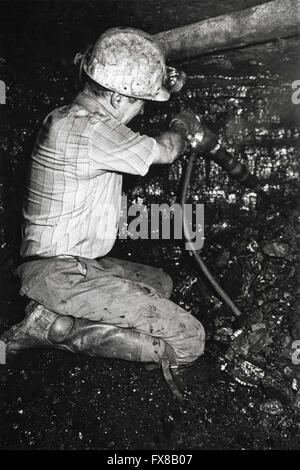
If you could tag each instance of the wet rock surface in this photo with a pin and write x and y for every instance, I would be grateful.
(244, 392)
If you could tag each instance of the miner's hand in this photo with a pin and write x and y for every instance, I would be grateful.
(187, 120)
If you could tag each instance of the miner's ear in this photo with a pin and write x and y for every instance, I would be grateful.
(115, 100)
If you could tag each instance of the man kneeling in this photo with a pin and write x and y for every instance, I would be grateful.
(82, 300)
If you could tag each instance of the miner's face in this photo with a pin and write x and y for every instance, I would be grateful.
(130, 108)
(125, 108)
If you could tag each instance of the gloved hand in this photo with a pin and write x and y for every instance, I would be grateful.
(205, 140)
(188, 120)
(197, 134)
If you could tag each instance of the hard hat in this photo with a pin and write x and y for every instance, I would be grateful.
(130, 62)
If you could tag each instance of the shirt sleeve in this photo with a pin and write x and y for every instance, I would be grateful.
(114, 147)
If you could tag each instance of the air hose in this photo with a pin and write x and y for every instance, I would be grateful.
(226, 299)
(237, 313)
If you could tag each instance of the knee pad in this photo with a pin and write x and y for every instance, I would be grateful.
(60, 329)
(197, 343)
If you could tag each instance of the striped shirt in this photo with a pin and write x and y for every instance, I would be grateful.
(73, 195)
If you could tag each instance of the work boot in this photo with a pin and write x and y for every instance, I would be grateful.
(29, 333)
(44, 328)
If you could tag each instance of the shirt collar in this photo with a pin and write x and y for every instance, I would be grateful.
(91, 104)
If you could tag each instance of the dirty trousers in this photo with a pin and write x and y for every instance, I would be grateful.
(115, 292)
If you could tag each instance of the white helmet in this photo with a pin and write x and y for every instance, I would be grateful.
(130, 62)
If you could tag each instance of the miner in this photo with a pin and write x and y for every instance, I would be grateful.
(82, 300)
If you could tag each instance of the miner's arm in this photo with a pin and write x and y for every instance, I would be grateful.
(172, 143)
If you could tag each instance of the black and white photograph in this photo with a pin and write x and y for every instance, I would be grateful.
(149, 228)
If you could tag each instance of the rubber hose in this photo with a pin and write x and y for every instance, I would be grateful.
(196, 255)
